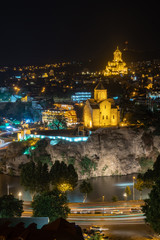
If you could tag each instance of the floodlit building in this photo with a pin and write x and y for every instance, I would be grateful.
(117, 66)
(65, 110)
(100, 111)
(81, 96)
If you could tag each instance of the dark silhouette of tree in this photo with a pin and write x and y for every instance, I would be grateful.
(41, 177)
(85, 187)
(35, 177)
(27, 176)
(61, 174)
(151, 208)
(10, 206)
(50, 204)
(151, 176)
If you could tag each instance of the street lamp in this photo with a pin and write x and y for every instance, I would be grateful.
(133, 187)
(102, 198)
(125, 196)
(20, 196)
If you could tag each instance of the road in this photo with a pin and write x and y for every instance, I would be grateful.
(123, 226)
(4, 144)
(131, 227)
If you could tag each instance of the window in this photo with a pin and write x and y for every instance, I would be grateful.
(106, 116)
(103, 117)
(113, 116)
(105, 106)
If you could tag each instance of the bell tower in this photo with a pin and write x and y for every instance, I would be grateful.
(100, 93)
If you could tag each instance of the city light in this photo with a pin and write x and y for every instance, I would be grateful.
(20, 196)
(64, 187)
(70, 139)
(133, 188)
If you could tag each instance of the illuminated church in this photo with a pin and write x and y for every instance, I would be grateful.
(100, 111)
(117, 66)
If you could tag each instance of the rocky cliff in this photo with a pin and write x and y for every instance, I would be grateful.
(109, 151)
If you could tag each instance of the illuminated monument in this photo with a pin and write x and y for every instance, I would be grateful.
(100, 111)
(117, 66)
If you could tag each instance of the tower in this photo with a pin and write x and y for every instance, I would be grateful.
(100, 93)
(117, 55)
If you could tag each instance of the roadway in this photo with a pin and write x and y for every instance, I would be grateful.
(5, 141)
(117, 226)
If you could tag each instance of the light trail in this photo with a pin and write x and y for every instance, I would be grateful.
(4, 144)
(107, 218)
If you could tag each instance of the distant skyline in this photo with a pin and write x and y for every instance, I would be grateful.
(78, 31)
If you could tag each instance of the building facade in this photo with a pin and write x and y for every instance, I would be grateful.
(100, 111)
(65, 110)
(81, 96)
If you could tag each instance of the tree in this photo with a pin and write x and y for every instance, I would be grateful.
(27, 176)
(59, 122)
(35, 177)
(85, 187)
(41, 178)
(63, 177)
(50, 204)
(40, 153)
(139, 186)
(10, 206)
(151, 176)
(127, 191)
(114, 199)
(151, 208)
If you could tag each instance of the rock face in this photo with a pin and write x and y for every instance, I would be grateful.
(113, 151)
(108, 151)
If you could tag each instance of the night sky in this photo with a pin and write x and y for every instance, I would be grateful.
(78, 31)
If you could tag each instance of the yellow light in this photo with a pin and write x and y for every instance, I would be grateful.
(43, 89)
(19, 195)
(64, 187)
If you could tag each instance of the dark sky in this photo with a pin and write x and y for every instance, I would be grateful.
(77, 31)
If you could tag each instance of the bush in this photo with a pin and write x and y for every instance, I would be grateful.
(146, 163)
(87, 165)
(114, 199)
(10, 206)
